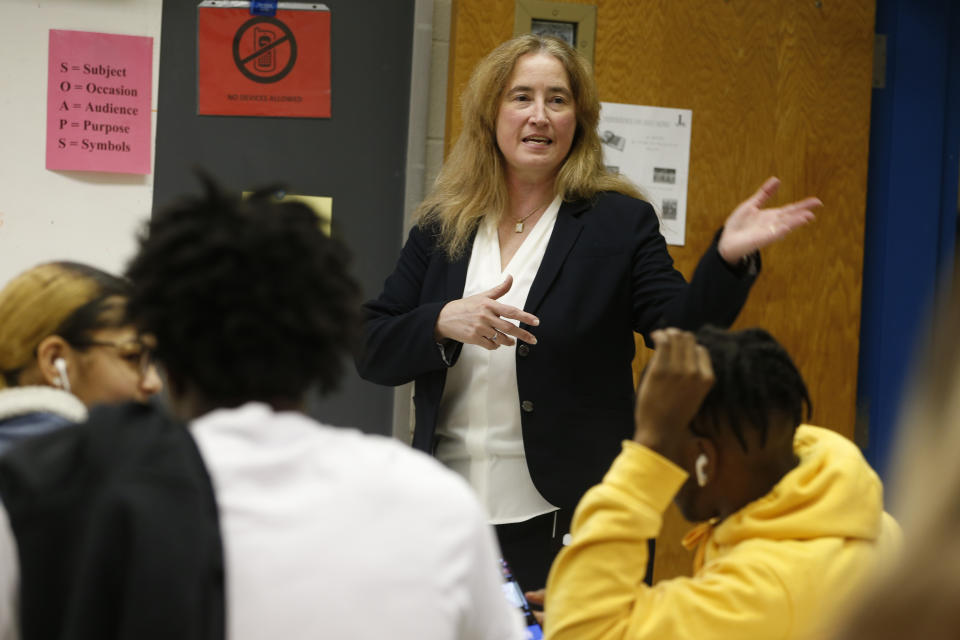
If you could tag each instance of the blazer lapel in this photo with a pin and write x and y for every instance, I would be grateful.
(566, 230)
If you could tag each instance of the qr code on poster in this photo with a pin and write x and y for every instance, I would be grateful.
(664, 175)
(669, 209)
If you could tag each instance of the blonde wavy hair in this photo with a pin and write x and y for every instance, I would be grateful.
(918, 597)
(472, 182)
(57, 298)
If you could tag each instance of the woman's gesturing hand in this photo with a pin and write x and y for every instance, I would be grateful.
(750, 228)
(481, 320)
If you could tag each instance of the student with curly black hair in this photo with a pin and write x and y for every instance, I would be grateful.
(792, 519)
(325, 532)
(248, 301)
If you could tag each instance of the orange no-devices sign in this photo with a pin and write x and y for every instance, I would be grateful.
(263, 66)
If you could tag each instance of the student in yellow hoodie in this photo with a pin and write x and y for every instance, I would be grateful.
(792, 515)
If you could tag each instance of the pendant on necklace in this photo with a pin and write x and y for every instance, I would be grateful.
(519, 227)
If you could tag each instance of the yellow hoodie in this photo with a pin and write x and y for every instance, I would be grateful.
(778, 568)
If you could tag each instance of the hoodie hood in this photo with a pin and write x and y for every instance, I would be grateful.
(832, 492)
(20, 401)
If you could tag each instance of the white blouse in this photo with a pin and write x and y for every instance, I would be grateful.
(479, 426)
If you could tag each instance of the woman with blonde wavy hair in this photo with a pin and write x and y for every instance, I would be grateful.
(65, 346)
(515, 298)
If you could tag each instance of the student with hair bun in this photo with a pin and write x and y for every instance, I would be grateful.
(65, 345)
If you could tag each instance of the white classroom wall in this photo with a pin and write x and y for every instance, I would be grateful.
(63, 215)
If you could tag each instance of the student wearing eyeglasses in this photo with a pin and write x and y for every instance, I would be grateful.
(65, 346)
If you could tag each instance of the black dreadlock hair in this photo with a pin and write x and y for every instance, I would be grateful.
(755, 380)
(248, 299)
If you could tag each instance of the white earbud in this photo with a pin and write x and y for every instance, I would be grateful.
(700, 466)
(63, 380)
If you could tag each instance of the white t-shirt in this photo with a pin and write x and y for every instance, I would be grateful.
(330, 533)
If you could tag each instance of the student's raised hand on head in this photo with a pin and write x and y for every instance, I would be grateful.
(482, 320)
(674, 384)
(750, 227)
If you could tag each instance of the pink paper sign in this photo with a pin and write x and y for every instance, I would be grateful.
(98, 102)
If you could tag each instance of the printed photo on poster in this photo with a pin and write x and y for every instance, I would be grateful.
(651, 146)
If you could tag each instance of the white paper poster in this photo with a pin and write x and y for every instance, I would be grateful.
(651, 146)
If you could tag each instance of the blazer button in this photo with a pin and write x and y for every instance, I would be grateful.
(523, 350)
(527, 406)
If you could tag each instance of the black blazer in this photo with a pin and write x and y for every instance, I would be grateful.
(605, 274)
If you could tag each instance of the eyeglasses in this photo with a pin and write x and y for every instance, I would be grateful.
(135, 353)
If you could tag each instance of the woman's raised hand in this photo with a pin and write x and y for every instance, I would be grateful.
(480, 320)
(750, 228)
